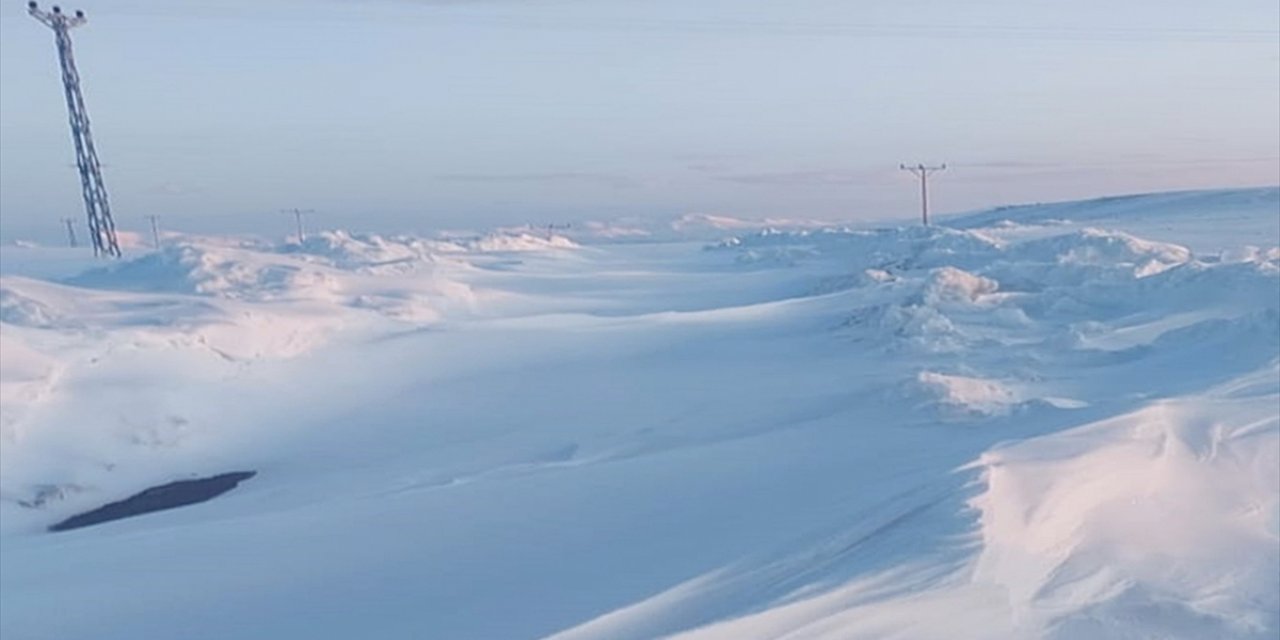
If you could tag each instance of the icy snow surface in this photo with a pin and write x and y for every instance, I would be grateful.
(1055, 421)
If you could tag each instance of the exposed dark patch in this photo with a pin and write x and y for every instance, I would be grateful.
(46, 493)
(165, 496)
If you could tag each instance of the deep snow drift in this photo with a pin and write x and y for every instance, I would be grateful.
(1055, 421)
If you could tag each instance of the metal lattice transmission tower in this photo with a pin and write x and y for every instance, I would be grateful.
(922, 172)
(102, 229)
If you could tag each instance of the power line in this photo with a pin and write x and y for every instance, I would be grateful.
(922, 172)
(1099, 33)
(102, 229)
(731, 26)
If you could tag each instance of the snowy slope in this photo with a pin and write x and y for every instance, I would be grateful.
(1206, 220)
(1058, 422)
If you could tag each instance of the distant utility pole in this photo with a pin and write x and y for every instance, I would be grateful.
(297, 216)
(922, 172)
(155, 230)
(102, 229)
(551, 229)
(71, 232)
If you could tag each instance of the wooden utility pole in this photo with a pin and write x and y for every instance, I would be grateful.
(922, 172)
(155, 230)
(297, 216)
(71, 231)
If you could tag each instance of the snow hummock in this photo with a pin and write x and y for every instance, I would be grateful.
(949, 285)
(498, 242)
(967, 394)
(1057, 421)
(694, 222)
(1196, 477)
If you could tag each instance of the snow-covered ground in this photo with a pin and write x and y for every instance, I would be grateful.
(1052, 421)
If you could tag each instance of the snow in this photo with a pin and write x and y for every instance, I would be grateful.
(1197, 476)
(1176, 216)
(1052, 421)
(520, 242)
(968, 395)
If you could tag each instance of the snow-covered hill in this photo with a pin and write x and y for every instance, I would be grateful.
(1057, 421)
(1206, 220)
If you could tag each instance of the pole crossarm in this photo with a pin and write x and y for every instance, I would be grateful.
(55, 18)
(922, 170)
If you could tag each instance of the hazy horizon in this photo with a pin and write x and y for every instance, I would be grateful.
(412, 115)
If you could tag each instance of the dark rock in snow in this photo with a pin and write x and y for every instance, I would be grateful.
(165, 496)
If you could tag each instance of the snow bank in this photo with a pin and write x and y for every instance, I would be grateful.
(1208, 221)
(905, 247)
(949, 285)
(244, 273)
(1106, 249)
(967, 395)
(219, 304)
(1159, 521)
(17, 308)
(402, 277)
(511, 242)
(370, 252)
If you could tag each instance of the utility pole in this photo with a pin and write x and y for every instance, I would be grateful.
(297, 216)
(922, 172)
(551, 229)
(155, 230)
(102, 229)
(71, 232)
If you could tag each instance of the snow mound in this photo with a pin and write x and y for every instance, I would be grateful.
(220, 271)
(1206, 221)
(370, 252)
(400, 277)
(17, 308)
(692, 223)
(949, 285)
(1169, 207)
(615, 230)
(693, 227)
(1251, 253)
(1146, 523)
(26, 378)
(1097, 247)
(964, 395)
(132, 240)
(515, 242)
(898, 248)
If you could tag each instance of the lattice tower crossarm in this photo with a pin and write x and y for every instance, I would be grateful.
(102, 228)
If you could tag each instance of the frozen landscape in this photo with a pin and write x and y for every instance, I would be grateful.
(1043, 421)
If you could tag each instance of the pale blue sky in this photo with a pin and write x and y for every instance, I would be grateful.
(416, 115)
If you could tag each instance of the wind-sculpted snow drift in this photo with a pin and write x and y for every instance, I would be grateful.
(1015, 427)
